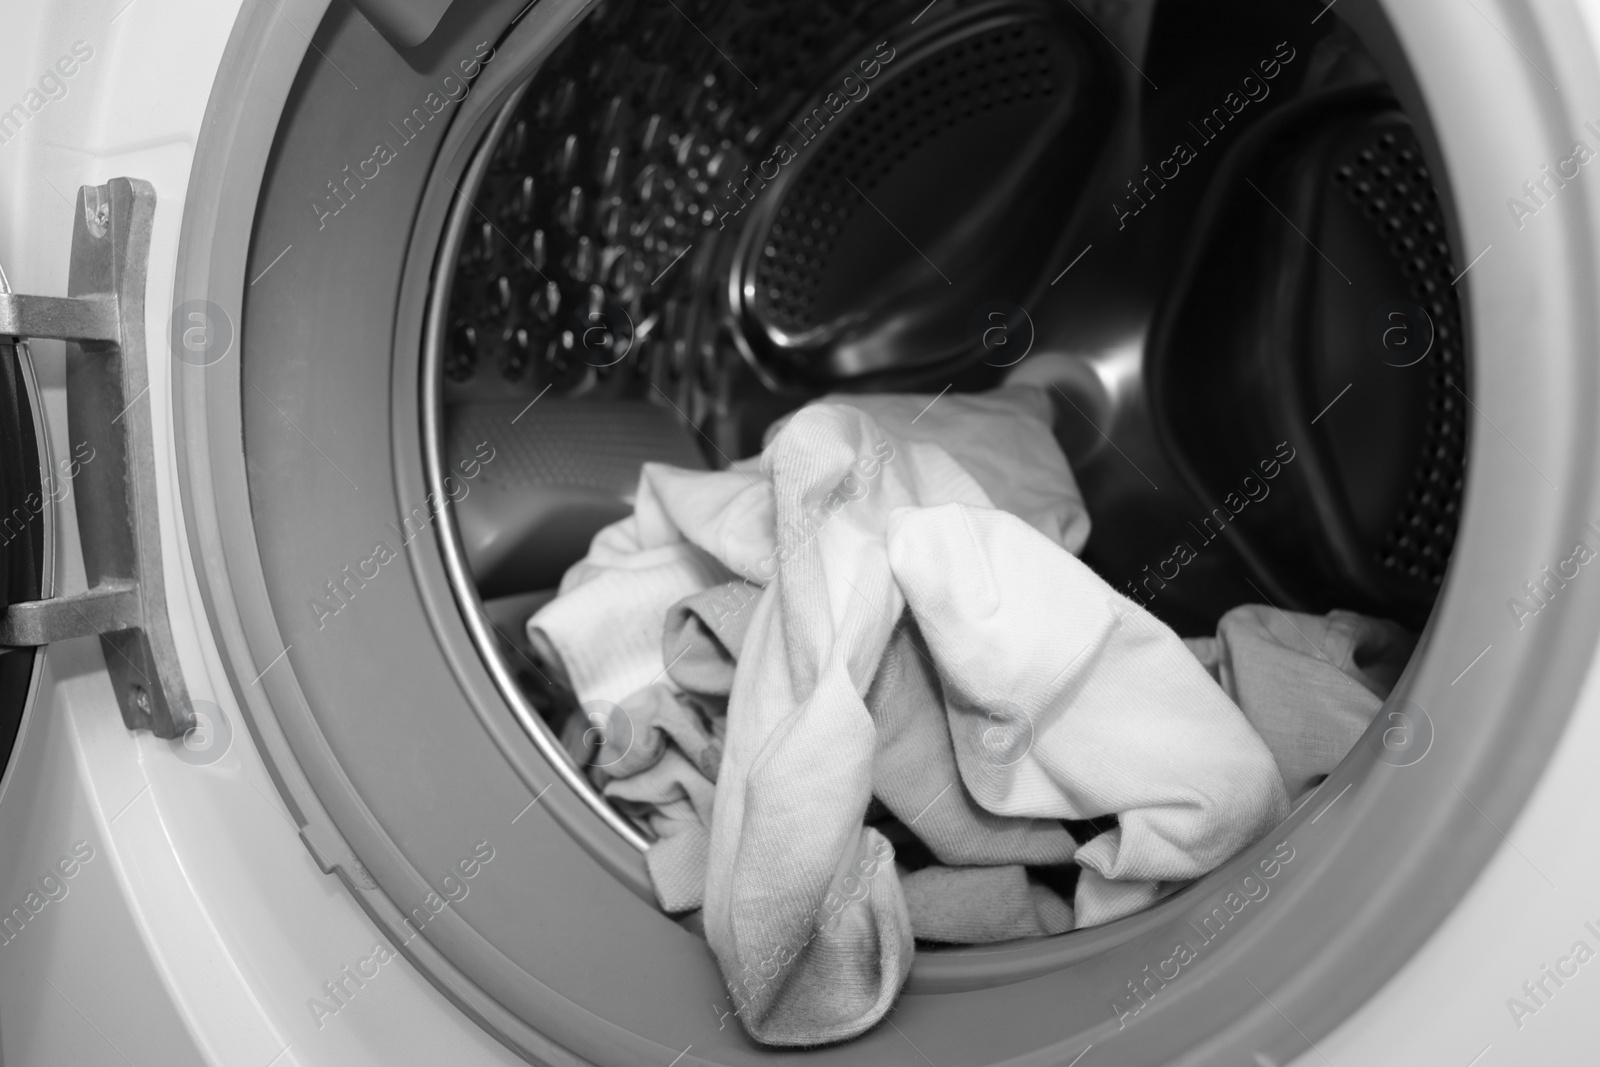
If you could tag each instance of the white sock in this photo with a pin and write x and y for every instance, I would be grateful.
(687, 530)
(607, 630)
(787, 840)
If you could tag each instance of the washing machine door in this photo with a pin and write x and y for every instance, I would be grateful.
(23, 537)
(523, 250)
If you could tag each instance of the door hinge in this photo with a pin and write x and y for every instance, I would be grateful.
(108, 410)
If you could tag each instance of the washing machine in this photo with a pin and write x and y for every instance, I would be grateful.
(332, 332)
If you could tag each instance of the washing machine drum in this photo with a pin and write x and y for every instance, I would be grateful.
(590, 236)
(819, 210)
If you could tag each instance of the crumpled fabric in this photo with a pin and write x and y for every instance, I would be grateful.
(1002, 438)
(975, 905)
(787, 837)
(703, 635)
(915, 775)
(604, 627)
(978, 891)
(1309, 684)
(691, 530)
(788, 573)
(1068, 701)
(687, 529)
(802, 902)
(657, 760)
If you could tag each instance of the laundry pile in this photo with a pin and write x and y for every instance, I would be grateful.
(879, 628)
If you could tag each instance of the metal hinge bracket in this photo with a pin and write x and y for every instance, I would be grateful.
(102, 320)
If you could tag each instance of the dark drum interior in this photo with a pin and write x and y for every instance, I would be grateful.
(659, 262)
